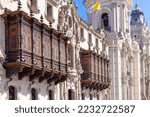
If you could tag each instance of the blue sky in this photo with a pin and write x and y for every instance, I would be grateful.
(143, 4)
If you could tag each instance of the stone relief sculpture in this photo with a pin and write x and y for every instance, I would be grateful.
(120, 34)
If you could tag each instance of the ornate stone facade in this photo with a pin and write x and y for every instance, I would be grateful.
(142, 36)
(44, 42)
(128, 48)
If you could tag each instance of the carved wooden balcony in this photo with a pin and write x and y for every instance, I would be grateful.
(95, 69)
(34, 49)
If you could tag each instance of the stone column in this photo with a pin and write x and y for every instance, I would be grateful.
(76, 91)
(131, 85)
(137, 75)
(111, 57)
(117, 18)
(131, 80)
(79, 90)
(65, 90)
(148, 78)
(115, 72)
(123, 18)
(106, 73)
(61, 91)
(114, 17)
(124, 71)
(73, 55)
(103, 62)
(102, 68)
(124, 87)
(143, 65)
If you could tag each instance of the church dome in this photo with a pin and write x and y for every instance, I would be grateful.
(137, 16)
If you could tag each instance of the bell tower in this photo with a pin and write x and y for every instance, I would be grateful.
(114, 15)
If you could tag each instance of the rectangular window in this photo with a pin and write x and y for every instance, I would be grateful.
(34, 94)
(49, 10)
(90, 38)
(33, 3)
(97, 43)
(82, 32)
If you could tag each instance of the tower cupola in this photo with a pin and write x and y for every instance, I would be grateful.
(137, 16)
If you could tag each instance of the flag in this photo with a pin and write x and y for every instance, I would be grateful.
(96, 7)
(89, 3)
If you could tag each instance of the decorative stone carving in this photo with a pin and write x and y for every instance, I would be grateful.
(120, 34)
(124, 78)
(147, 60)
(69, 33)
(124, 47)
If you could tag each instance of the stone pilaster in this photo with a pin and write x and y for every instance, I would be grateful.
(124, 87)
(131, 86)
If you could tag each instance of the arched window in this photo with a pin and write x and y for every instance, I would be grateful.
(91, 97)
(12, 93)
(83, 96)
(51, 95)
(97, 97)
(105, 21)
(70, 94)
(33, 94)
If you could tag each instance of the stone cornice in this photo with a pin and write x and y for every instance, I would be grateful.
(54, 2)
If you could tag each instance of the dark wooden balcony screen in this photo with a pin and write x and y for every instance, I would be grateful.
(30, 43)
(95, 67)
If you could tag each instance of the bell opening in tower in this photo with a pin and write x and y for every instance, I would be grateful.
(105, 21)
